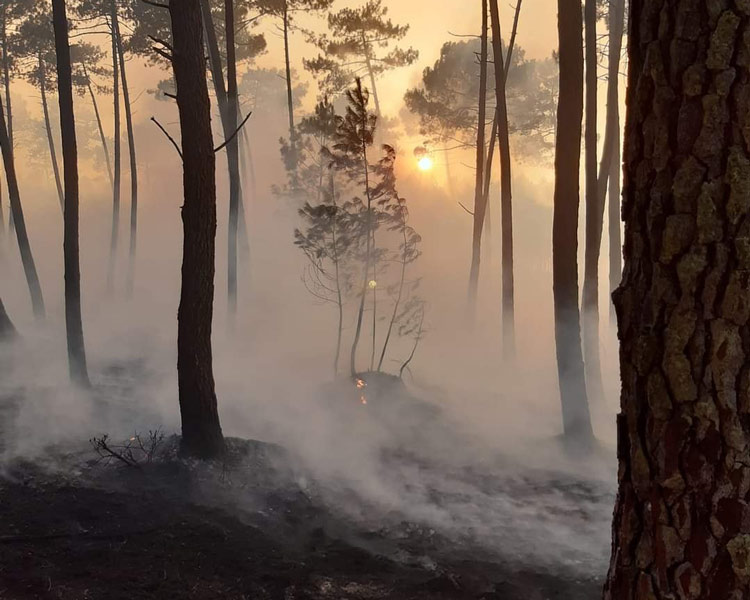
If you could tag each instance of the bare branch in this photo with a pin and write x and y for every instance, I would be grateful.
(169, 137)
(231, 137)
(466, 209)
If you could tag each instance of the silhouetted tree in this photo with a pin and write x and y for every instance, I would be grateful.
(201, 430)
(575, 410)
(7, 330)
(350, 51)
(74, 326)
(24, 247)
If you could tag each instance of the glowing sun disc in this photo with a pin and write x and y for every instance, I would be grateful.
(425, 163)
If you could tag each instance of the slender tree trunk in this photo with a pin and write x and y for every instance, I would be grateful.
(374, 308)
(506, 192)
(288, 67)
(371, 74)
(130, 280)
(594, 211)
(8, 103)
(614, 166)
(397, 303)
(480, 204)
(201, 430)
(233, 158)
(228, 111)
(115, 233)
(102, 137)
(24, 247)
(417, 338)
(680, 524)
(48, 129)
(7, 330)
(339, 295)
(575, 409)
(368, 251)
(73, 323)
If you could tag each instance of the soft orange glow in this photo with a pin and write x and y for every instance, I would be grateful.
(425, 163)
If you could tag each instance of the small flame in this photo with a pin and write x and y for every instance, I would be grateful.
(373, 284)
(360, 384)
(363, 399)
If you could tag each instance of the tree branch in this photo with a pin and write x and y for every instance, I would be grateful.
(169, 137)
(231, 137)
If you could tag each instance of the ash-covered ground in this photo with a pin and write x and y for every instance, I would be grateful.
(377, 492)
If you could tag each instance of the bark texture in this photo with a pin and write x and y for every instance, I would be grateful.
(575, 410)
(73, 322)
(682, 521)
(201, 431)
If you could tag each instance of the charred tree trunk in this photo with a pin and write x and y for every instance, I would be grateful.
(201, 431)
(24, 247)
(611, 165)
(680, 525)
(7, 330)
(233, 158)
(130, 280)
(102, 137)
(48, 129)
(480, 199)
(575, 409)
(73, 323)
(117, 175)
(506, 192)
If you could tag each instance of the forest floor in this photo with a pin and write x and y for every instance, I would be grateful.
(258, 526)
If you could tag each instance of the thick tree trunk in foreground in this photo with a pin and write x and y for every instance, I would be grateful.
(480, 199)
(575, 409)
(73, 323)
(48, 130)
(201, 431)
(233, 158)
(6, 82)
(130, 278)
(24, 247)
(506, 192)
(7, 330)
(681, 526)
(117, 174)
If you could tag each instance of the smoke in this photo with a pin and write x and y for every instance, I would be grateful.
(469, 447)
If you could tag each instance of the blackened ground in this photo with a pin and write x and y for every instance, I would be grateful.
(88, 530)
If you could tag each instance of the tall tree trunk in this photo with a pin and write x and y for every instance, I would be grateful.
(480, 200)
(48, 129)
(7, 330)
(575, 409)
(8, 103)
(229, 114)
(339, 294)
(73, 323)
(102, 137)
(233, 158)
(115, 233)
(130, 279)
(24, 247)
(371, 74)
(680, 524)
(368, 252)
(288, 67)
(396, 304)
(201, 430)
(594, 211)
(611, 177)
(506, 192)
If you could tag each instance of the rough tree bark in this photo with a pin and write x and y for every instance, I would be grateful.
(506, 192)
(575, 410)
(24, 247)
(48, 129)
(130, 278)
(201, 430)
(117, 155)
(73, 323)
(7, 330)
(480, 199)
(681, 525)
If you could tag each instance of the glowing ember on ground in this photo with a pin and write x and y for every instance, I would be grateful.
(425, 163)
(373, 284)
(360, 384)
(363, 399)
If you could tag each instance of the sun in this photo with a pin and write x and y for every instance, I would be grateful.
(425, 163)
